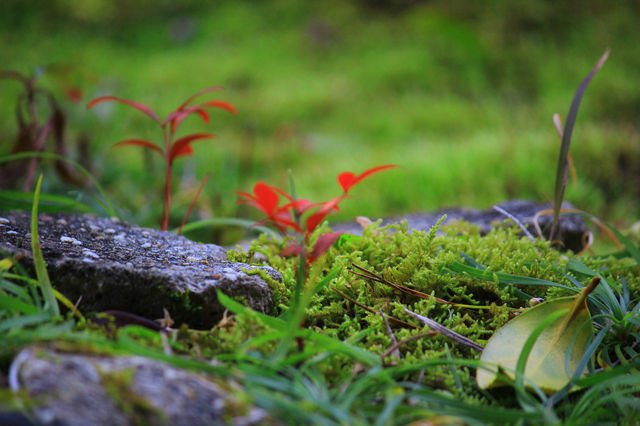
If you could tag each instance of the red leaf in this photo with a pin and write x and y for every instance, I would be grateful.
(284, 194)
(246, 195)
(348, 179)
(133, 104)
(183, 145)
(292, 250)
(325, 241)
(203, 114)
(266, 197)
(252, 202)
(255, 202)
(138, 142)
(316, 218)
(200, 93)
(300, 205)
(184, 151)
(220, 104)
(283, 222)
(178, 116)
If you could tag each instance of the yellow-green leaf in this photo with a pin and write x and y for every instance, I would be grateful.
(547, 365)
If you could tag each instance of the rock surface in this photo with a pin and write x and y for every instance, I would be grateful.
(75, 389)
(117, 266)
(571, 228)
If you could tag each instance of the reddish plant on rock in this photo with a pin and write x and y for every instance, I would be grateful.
(288, 216)
(172, 148)
(266, 198)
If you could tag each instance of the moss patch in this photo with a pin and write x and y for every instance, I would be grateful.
(420, 261)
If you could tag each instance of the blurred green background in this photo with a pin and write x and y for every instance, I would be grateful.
(459, 93)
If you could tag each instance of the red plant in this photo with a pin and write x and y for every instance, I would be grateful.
(172, 148)
(266, 198)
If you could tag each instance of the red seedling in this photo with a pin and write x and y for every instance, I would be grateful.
(288, 216)
(266, 198)
(172, 148)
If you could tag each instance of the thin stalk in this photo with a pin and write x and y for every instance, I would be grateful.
(368, 309)
(167, 188)
(297, 308)
(302, 264)
(193, 201)
(33, 162)
(445, 331)
(33, 115)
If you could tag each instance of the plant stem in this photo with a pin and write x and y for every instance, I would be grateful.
(167, 188)
(35, 128)
(297, 307)
(42, 134)
(300, 276)
(193, 201)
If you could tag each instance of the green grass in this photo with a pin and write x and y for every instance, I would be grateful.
(460, 96)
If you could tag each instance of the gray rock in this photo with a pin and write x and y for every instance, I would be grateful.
(117, 266)
(571, 228)
(74, 389)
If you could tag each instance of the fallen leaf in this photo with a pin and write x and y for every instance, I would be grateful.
(547, 365)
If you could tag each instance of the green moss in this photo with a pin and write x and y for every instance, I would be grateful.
(235, 331)
(275, 285)
(180, 299)
(420, 261)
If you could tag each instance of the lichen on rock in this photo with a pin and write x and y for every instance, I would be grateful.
(106, 264)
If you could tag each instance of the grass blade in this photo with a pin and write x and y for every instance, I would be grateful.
(18, 200)
(38, 259)
(505, 279)
(227, 221)
(105, 204)
(23, 320)
(14, 304)
(563, 162)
